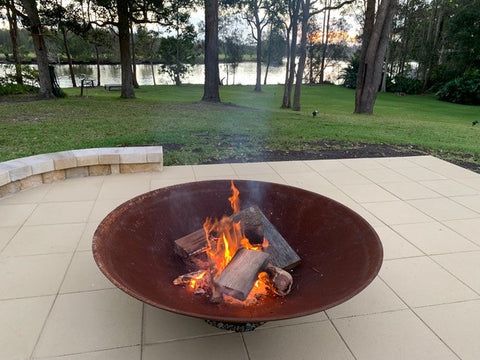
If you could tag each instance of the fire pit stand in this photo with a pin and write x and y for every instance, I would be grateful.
(341, 253)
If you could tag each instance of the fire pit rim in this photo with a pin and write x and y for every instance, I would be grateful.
(222, 318)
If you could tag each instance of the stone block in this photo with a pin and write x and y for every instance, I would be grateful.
(86, 157)
(115, 169)
(4, 175)
(135, 168)
(154, 154)
(31, 181)
(133, 155)
(107, 156)
(77, 172)
(97, 170)
(17, 169)
(40, 163)
(10, 188)
(63, 160)
(52, 176)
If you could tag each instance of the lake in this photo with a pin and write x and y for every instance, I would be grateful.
(111, 74)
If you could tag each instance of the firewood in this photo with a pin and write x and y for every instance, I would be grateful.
(240, 275)
(186, 278)
(280, 279)
(191, 244)
(251, 224)
(281, 253)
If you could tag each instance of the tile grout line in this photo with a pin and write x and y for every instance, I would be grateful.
(142, 332)
(245, 346)
(340, 335)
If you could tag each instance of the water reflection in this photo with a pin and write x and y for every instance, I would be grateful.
(111, 74)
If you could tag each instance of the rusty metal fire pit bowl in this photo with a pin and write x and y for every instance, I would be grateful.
(341, 253)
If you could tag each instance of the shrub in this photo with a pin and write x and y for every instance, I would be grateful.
(404, 84)
(349, 74)
(462, 90)
(15, 89)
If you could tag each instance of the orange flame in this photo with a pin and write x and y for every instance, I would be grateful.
(193, 282)
(234, 199)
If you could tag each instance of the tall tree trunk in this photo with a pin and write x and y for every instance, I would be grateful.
(125, 56)
(325, 43)
(303, 55)
(287, 94)
(134, 60)
(269, 55)
(13, 30)
(69, 57)
(212, 77)
(372, 65)
(46, 86)
(97, 57)
(258, 25)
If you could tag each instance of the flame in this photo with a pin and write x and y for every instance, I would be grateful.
(234, 199)
(194, 282)
(224, 238)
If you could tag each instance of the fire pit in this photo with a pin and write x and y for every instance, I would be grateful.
(341, 253)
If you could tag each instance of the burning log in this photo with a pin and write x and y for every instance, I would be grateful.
(281, 253)
(186, 279)
(240, 275)
(281, 280)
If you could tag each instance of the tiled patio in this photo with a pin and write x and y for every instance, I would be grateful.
(425, 303)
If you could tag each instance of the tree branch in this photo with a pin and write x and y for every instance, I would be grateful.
(334, 7)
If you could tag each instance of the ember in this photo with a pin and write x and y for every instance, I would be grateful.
(238, 258)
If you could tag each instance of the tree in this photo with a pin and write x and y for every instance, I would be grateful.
(46, 86)
(233, 54)
(275, 49)
(148, 43)
(11, 12)
(375, 37)
(178, 53)
(211, 91)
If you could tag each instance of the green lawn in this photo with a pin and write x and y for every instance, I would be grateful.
(245, 123)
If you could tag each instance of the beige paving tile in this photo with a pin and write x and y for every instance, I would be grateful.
(409, 190)
(472, 202)
(61, 213)
(368, 193)
(28, 196)
(369, 217)
(396, 212)
(6, 234)
(317, 340)
(421, 282)
(202, 171)
(310, 181)
(90, 321)
(443, 209)
(85, 243)
(434, 238)
(321, 166)
(376, 298)
(15, 215)
(124, 353)
(83, 274)
(104, 207)
(383, 175)
(272, 178)
(457, 325)
(345, 177)
(449, 187)
(32, 275)
(73, 191)
(124, 188)
(22, 321)
(285, 167)
(45, 239)
(465, 266)
(362, 164)
(161, 326)
(395, 246)
(419, 173)
(396, 162)
(175, 172)
(469, 228)
(473, 182)
(394, 335)
(321, 316)
(245, 169)
(220, 347)
(216, 177)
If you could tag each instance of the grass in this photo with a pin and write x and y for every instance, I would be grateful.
(246, 123)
